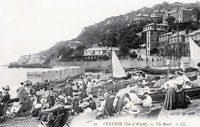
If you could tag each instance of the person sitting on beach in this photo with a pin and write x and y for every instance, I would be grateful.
(147, 102)
(76, 106)
(93, 83)
(47, 113)
(75, 87)
(6, 95)
(130, 107)
(160, 81)
(5, 98)
(134, 98)
(39, 95)
(44, 94)
(136, 76)
(92, 103)
(100, 109)
(19, 90)
(89, 83)
(68, 100)
(23, 93)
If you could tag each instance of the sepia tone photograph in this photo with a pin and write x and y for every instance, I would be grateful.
(99, 63)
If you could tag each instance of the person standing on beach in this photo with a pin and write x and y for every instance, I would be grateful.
(181, 82)
(170, 97)
(19, 91)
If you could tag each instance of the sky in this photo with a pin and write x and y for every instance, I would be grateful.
(31, 26)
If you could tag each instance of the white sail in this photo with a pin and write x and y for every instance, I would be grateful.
(194, 53)
(117, 69)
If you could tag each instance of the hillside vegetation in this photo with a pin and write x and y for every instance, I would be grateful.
(118, 31)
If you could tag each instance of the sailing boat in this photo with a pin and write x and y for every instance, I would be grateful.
(117, 69)
(194, 54)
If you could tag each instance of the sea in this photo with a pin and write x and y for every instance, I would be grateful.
(13, 77)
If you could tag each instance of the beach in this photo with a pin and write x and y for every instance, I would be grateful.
(174, 117)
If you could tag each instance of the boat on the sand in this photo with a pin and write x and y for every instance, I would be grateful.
(159, 97)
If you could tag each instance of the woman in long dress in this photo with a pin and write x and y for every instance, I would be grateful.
(181, 81)
(170, 98)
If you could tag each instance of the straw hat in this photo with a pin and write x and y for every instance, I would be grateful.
(38, 105)
(144, 82)
(145, 92)
(61, 97)
(106, 95)
(170, 76)
(90, 96)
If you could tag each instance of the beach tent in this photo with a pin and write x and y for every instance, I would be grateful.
(54, 74)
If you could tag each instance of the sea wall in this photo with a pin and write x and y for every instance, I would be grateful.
(101, 65)
(128, 63)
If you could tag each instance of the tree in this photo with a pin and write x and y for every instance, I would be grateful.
(110, 39)
(79, 51)
(170, 19)
(124, 51)
(154, 51)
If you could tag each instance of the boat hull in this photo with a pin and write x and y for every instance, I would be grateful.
(193, 93)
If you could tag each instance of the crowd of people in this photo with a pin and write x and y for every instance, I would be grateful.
(75, 97)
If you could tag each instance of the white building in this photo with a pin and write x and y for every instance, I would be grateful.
(94, 53)
(182, 15)
(75, 44)
(142, 17)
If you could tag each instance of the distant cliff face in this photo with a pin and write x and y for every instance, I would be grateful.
(31, 59)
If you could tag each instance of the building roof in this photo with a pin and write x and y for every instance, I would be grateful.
(181, 33)
(187, 9)
(194, 32)
(101, 48)
(151, 24)
(166, 34)
(161, 11)
(173, 11)
(184, 9)
(141, 14)
(77, 42)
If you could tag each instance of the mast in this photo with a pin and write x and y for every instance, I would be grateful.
(178, 45)
(178, 42)
(111, 66)
(146, 55)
